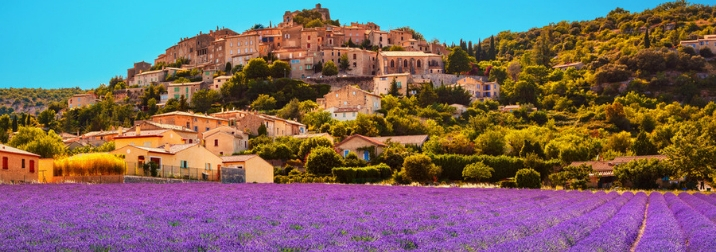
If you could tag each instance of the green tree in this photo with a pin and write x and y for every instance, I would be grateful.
(643, 145)
(458, 61)
(528, 178)
(492, 52)
(343, 63)
(329, 69)
(264, 102)
(575, 177)
(477, 171)
(203, 99)
(491, 143)
(693, 153)
(309, 144)
(47, 118)
(280, 69)
(322, 160)
(420, 168)
(394, 155)
(427, 95)
(643, 173)
(34, 140)
(647, 41)
(257, 68)
(394, 91)
(227, 69)
(262, 130)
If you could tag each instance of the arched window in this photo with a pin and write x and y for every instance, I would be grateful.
(392, 63)
(419, 65)
(405, 63)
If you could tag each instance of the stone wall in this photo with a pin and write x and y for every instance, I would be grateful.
(364, 82)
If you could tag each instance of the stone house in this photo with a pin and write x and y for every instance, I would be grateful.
(413, 62)
(176, 90)
(350, 97)
(153, 138)
(250, 121)
(81, 100)
(199, 123)
(479, 90)
(709, 41)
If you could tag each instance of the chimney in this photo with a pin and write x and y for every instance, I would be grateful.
(167, 147)
(137, 130)
(120, 131)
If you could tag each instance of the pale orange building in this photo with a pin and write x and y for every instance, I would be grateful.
(18, 165)
(225, 140)
(81, 100)
(366, 147)
(478, 89)
(413, 62)
(250, 121)
(154, 138)
(382, 83)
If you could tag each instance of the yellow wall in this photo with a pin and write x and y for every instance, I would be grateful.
(46, 172)
(357, 143)
(168, 137)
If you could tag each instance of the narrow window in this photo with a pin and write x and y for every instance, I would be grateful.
(23, 163)
(4, 163)
(32, 166)
(216, 142)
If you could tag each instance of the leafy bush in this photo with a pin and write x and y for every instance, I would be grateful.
(477, 171)
(322, 160)
(528, 178)
(420, 168)
(89, 164)
(643, 174)
(296, 176)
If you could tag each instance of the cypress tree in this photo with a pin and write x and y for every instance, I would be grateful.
(469, 48)
(14, 123)
(478, 51)
(492, 54)
(647, 42)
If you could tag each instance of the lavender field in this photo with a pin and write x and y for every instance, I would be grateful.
(300, 217)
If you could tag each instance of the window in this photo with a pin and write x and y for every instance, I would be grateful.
(354, 56)
(405, 63)
(392, 63)
(32, 166)
(345, 153)
(366, 155)
(309, 37)
(187, 125)
(196, 128)
(183, 164)
(308, 45)
(4, 163)
(207, 166)
(216, 142)
(23, 164)
(399, 84)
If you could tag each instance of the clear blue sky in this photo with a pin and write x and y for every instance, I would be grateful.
(82, 43)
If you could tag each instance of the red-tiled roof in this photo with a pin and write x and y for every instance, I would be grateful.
(143, 133)
(8, 149)
(367, 139)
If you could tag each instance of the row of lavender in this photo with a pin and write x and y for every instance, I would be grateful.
(301, 217)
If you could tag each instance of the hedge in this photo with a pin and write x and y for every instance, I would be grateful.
(453, 164)
(505, 166)
(362, 174)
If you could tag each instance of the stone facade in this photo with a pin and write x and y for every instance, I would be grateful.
(709, 41)
(479, 90)
(197, 122)
(81, 100)
(351, 97)
(409, 62)
(225, 140)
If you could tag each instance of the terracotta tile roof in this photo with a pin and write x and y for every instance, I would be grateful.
(143, 133)
(346, 109)
(418, 140)
(173, 149)
(368, 139)
(100, 133)
(627, 159)
(237, 158)
(168, 126)
(189, 114)
(8, 149)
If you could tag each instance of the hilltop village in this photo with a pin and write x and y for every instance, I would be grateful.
(312, 100)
